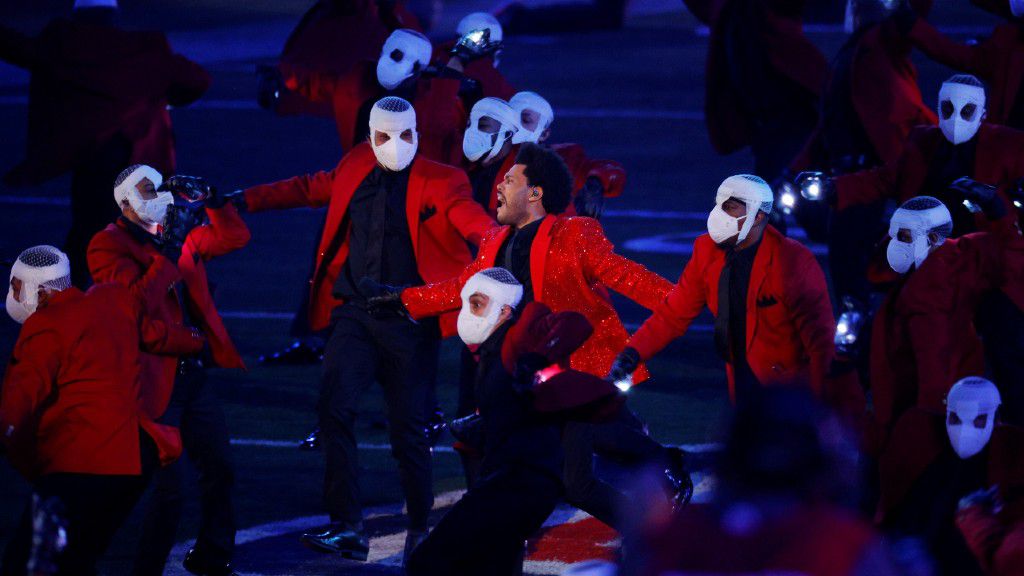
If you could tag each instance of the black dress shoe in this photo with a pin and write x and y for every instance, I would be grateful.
(678, 478)
(299, 353)
(311, 441)
(348, 543)
(201, 565)
(436, 426)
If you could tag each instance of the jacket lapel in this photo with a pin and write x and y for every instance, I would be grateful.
(331, 245)
(539, 255)
(413, 203)
(758, 276)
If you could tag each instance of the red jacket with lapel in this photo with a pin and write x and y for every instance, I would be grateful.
(440, 116)
(116, 255)
(439, 207)
(923, 341)
(71, 395)
(790, 327)
(569, 257)
(998, 61)
(91, 83)
(999, 158)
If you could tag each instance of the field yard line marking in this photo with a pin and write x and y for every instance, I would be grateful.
(261, 443)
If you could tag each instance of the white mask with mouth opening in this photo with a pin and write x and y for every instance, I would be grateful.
(961, 108)
(970, 415)
(37, 267)
(501, 288)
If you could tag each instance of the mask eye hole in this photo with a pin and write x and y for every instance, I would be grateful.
(946, 109)
(981, 421)
(968, 111)
(954, 420)
(397, 55)
(407, 135)
(905, 236)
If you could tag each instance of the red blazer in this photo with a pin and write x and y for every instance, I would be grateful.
(334, 37)
(70, 399)
(117, 255)
(790, 327)
(789, 51)
(885, 95)
(440, 115)
(569, 258)
(611, 174)
(998, 61)
(923, 341)
(439, 207)
(998, 160)
(91, 83)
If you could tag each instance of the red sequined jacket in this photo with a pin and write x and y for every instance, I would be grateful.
(570, 257)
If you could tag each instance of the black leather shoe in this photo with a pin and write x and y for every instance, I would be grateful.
(299, 353)
(197, 563)
(436, 426)
(412, 540)
(311, 441)
(348, 543)
(678, 478)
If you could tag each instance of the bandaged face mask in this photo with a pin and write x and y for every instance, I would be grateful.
(20, 311)
(35, 267)
(970, 415)
(478, 144)
(909, 229)
(475, 329)
(393, 116)
(961, 109)
(903, 255)
(501, 289)
(722, 226)
(405, 52)
(151, 211)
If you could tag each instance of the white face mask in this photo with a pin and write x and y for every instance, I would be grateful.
(475, 329)
(153, 212)
(20, 311)
(722, 226)
(1017, 8)
(967, 439)
(903, 255)
(476, 144)
(410, 49)
(396, 154)
(849, 23)
(961, 109)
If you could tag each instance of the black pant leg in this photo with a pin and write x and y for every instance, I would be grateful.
(624, 439)
(583, 489)
(467, 406)
(92, 207)
(484, 532)
(204, 434)
(349, 367)
(163, 511)
(407, 372)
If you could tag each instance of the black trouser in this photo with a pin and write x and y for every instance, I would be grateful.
(196, 409)
(466, 406)
(622, 439)
(92, 201)
(94, 507)
(402, 356)
(1001, 324)
(485, 531)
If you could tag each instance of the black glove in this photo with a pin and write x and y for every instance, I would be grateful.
(589, 200)
(982, 195)
(191, 189)
(469, 430)
(904, 17)
(816, 186)
(625, 364)
(848, 329)
(220, 199)
(527, 366)
(987, 499)
(180, 221)
(382, 299)
(475, 45)
(269, 86)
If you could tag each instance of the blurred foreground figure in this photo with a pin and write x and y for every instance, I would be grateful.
(523, 374)
(770, 511)
(764, 79)
(97, 102)
(70, 411)
(158, 249)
